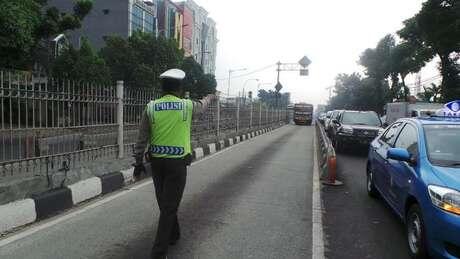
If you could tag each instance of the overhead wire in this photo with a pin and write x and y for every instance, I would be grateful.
(249, 73)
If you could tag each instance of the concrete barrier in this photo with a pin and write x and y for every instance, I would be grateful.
(112, 182)
(52, 202)
(128, 176)
(16, 214)
(86, 189)
(221, 145)
(229, 142)
(212, 148)
(198, 153)
(237, 139)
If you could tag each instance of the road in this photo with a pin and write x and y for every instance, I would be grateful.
(357, 226)
(250, 201)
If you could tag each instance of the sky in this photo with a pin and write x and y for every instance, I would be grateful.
(254, 34)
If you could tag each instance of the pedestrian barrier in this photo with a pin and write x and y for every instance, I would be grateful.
(327, 157)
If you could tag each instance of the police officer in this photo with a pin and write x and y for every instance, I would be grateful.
(165, 127)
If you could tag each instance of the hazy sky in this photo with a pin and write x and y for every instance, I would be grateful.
(256, 33)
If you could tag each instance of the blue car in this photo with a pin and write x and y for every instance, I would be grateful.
(414, 165)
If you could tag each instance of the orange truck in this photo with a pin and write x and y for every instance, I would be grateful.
(303, 113)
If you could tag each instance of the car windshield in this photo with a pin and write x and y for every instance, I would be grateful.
(443, 144)
(361, 118)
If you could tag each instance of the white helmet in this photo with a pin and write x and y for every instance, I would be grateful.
(173, 74)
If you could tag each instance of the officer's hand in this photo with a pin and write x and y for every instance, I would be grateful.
(139, 168)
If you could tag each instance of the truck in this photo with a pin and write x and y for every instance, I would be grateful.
(303, 113)
(397, 110)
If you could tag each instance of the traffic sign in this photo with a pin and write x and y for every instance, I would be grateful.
(278, 87)
(305, 61)
(303, 72)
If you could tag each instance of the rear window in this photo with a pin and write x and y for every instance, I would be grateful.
(361, 118)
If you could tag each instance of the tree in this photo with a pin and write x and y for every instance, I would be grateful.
(353, 92)
(141, 59)
(27, 25)
(196, 82)
(81, 65)
(430, 94)
(406, 58)
(436, 29)
(269, 98)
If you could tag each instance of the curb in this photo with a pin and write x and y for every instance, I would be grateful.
(50, 203)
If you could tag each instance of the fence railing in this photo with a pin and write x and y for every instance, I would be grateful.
(51, 124)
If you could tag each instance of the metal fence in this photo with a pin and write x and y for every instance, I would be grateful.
(51, 124)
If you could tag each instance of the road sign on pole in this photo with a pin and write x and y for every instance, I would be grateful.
(305, 62)
(303, 72)
(278, 87)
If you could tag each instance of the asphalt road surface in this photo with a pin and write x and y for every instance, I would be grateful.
(250, 201)
(355, 225)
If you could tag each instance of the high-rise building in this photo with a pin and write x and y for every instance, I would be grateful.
(112, 17)
(203, 38)
(170, 21)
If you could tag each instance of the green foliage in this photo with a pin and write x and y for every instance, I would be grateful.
(377, 61)
(26, 24)
(81, 65)
(196, 82)
(436, 30)
(270, 98)
(141, 59)
(353, 92)
(430, 94)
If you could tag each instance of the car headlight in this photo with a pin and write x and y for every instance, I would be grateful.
(346, 131)
(445, 198)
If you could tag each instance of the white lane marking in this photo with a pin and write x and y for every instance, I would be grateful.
(54, 221)
(317, 211)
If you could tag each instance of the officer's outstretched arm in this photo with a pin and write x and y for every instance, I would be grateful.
(143, 138)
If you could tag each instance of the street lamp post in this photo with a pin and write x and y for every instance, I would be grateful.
(230, 71)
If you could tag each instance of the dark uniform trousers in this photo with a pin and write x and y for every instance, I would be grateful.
(169, 177)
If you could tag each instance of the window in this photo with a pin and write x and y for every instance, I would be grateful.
(408, 139)
(390, 135)
(137, 18)
(361, 118)
(149, 25)
(443, 144)
(106, 11)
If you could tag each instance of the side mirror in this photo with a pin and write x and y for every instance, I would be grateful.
(335, 121)
(328, 116)
(385, 125)
(400, 154)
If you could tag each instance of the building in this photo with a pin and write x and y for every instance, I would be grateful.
(186, 22)
(112, 17)
(187, 29)
(170, 21)
(203, 35)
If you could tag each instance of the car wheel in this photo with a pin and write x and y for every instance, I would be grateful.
(371, 190)
(416, 233)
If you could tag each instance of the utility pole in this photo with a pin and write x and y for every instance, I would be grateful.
(230, 71)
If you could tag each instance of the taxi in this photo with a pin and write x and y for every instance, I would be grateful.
(414, 165)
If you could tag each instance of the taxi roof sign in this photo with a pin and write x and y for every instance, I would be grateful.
(451, 109)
